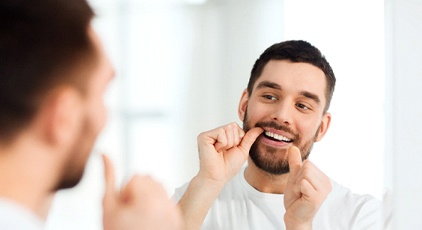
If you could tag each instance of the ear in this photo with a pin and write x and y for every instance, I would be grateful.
(243, 105)
(325, 124)
(62, 115)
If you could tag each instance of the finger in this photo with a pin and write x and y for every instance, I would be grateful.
(315, 176)
(228, 138)
(109, 176)
(250, 138)
(295, 161)
(221, 139)
(241, 133)
(236, 137)
(305, 188)
(232, 134)
(139, 187)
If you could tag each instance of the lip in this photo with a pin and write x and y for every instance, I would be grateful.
(276, 144)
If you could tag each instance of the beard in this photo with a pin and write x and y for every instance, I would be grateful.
(74, 165)
(268, 158)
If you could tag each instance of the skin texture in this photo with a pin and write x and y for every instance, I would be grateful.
(288, 99)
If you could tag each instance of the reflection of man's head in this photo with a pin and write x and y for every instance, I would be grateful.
(94, 115)
(43, 51)
(296, 55)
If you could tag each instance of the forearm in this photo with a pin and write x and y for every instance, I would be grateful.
(197, 200)
(301, 227)
(293, 224)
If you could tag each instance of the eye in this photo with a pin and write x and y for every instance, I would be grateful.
(302, 106)
(269, 97)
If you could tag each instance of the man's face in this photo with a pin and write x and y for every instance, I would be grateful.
(93, 121)
(287, 101)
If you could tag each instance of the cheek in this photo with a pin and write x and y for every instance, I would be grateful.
(257, 113)
(98, 115)
(102, 117)
(307, 129)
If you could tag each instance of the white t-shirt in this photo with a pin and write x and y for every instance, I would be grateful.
(240, 206)
(16, 217)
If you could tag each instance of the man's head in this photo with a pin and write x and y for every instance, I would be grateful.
(295, 51)
(53, 72)
(288, 95)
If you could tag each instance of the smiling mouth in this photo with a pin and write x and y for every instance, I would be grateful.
(276, 137)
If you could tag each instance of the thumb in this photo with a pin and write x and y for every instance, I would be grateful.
(250, 138)
(295, 161)
(109, 194)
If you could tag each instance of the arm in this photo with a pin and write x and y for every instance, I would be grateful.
(222, 152)
(141, 204)
(307, 188)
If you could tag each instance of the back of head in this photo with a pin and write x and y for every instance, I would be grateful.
(294, 51)
(42, 45)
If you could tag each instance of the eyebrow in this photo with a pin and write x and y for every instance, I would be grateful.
(273, 85)
(268, 84)
(311, 96)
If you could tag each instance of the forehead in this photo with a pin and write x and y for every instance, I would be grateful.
(294, 77)
(103, 70)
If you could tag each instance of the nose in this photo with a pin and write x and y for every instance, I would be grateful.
(282, 113)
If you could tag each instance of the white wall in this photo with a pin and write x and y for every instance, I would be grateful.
(404, 123)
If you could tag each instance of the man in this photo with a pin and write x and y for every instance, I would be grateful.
(284, 111)
(53, 74)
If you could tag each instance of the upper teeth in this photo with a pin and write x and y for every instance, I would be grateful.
(277, 137)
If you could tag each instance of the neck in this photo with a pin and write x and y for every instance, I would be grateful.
(24, 173)
(264, 181)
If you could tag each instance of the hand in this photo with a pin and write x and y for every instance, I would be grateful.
(222, 151)
(141, 204)
(307, 188)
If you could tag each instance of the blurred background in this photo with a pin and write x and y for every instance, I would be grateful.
(182, 65)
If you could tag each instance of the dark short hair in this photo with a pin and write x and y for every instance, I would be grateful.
(43, 44)
(295, 51)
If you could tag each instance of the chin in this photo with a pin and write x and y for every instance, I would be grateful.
(70, 181)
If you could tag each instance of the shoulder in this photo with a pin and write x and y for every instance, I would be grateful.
(15, 216)
(348, 198)
(351, 210)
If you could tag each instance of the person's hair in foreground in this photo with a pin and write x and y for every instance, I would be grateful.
(43, 44)
(295, 51)
(53, 77)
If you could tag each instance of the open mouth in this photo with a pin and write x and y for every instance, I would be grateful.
(277, 137)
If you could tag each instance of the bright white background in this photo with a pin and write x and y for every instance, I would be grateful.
(181, 68)
(404, 111)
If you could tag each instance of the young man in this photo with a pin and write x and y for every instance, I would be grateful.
(284, 111)
(53, 74)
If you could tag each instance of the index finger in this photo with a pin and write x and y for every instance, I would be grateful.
(249, 138)
(109, 179)
(295, 160)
